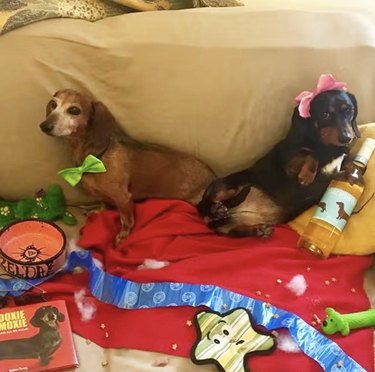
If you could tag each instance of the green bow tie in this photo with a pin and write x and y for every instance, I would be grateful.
(91, 164)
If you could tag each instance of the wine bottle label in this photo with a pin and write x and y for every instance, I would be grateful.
(335, 207)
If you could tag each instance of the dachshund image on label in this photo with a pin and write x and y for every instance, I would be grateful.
(341, 213)
(322, 206)
(335, 207)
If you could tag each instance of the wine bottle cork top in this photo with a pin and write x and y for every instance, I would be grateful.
(365, 152)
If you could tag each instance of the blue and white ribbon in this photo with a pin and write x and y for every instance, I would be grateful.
(126, 294)
(17, 286)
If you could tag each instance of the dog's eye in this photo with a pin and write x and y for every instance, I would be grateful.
(74, 110)
(52, 105)
(326, 115)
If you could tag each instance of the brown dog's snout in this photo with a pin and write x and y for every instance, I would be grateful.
(46, 126)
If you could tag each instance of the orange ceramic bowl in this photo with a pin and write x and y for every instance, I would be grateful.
(32, 248)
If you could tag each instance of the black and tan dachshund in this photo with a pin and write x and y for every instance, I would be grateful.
(292, 177)
(43, 344)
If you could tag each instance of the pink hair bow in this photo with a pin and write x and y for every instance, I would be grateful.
(326, 82)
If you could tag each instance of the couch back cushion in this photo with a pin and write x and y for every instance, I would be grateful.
(217, 83)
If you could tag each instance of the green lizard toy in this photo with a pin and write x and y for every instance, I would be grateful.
(48, 206)
(343, 323)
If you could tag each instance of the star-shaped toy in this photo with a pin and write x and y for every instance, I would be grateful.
(229, 339)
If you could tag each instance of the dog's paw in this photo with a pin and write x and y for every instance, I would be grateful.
(306, 177)
(218, 215)
(44, 360)
(218, 211)
(264, 231)
(261, 231)
(291, 170)
(120, 237)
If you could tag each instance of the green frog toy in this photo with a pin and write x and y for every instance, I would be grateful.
(46, 205)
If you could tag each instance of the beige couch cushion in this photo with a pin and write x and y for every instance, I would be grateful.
(219, 83)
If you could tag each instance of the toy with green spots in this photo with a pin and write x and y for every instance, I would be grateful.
(49, 206)
(343, 323)
(229, 339)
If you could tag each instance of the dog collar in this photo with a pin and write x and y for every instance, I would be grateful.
(326, 82)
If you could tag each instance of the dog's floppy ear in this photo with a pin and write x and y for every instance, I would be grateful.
(354, 121)
(300, 127)
(299, 130)
(48, 109)
(60, 316)
(36, 320)
(101, 125)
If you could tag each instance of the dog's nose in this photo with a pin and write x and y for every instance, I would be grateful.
(345, 139)
(46, 126)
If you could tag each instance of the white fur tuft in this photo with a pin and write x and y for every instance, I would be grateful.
(85, 305)
(286, 343)
(149, 263)
(297, 285)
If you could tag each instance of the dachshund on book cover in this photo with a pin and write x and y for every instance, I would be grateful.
(43, 344)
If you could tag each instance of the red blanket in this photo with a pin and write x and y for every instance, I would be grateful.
(172, 231)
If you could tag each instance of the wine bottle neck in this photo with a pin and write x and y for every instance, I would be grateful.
(359, 166)
(364, 154)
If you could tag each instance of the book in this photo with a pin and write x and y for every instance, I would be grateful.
(36, 337)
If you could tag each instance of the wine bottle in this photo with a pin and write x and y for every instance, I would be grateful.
(337, 204)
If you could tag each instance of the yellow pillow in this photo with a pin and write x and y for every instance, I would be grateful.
(358, 237)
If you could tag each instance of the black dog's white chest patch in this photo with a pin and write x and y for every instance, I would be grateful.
(334, 166)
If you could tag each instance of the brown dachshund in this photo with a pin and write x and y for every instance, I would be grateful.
(135, 170)
(42, 345)
(341, 214)
(292, 177)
